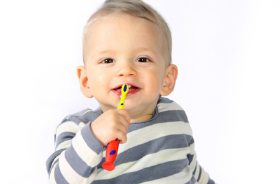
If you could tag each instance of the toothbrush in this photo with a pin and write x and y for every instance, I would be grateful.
(112, 147)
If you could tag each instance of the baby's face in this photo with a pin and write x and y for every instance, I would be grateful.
(120, 49)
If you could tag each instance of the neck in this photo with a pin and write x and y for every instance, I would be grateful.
(141, 118)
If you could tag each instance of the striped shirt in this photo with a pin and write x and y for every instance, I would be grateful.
(157, 151)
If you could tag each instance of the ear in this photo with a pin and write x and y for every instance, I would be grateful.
(169, 80)
(83, 79)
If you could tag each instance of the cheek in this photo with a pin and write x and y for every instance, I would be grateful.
(159, 76)
(96, 80)
(154, 80)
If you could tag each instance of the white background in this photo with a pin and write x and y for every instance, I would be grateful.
(228, 54)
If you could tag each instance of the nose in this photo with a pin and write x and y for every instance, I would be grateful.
(126, 70)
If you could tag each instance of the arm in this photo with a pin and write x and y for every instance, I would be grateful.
(200, 175)
(77, 153)
(79, 146)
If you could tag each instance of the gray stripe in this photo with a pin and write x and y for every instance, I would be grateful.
(192, 181)
(172, 115)
(148, 174)
(92, 115)
(190, 156)
(77, 163)
(49, 162)
(91, 140)
(210, 181)
(199, 175)
(164, 100)
(163, 117)
(88, 115)
(65, 136)
(154, 146)
(59, 178)
(72, 118)
(54, 163)
(84, 116)
(195, 168)
(82, 112)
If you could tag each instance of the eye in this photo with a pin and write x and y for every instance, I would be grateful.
(143, 60)
(107, 61)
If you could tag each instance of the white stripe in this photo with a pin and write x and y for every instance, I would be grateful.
(194, 161)
(86, 111)
(182, 177)
(168, 107)
(54, 162)
(147, 161)
(81, 125)
(70, 175)
(203, 177)
(63, 145)
(155, 131)
(68, 126)
(196, 171)
(92, 177)
(85, 153)
(52, 178)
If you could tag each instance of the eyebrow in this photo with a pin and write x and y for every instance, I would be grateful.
(144, 49)
(140, 49)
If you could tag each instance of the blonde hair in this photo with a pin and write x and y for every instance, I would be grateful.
(136, 8)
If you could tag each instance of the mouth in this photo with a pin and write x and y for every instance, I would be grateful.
(132, 89)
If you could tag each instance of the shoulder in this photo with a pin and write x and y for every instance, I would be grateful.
(167, 107)
(165, 104)
(85, 116)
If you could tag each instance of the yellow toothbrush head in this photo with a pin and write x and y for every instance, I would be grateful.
(124, 91)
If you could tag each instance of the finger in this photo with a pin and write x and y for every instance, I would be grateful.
(123, 121)
(121, 127)
(122, 136)
(124, 114)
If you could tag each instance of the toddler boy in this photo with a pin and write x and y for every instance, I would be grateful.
(127, 42)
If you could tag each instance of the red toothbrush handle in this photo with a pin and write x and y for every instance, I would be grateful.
(112, 147)
(111, 155)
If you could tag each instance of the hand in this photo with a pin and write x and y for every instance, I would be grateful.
(112, 124)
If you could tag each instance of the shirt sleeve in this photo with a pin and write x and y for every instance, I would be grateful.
(199, 174)
(77, 154)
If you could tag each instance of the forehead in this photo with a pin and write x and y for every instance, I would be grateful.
(117, 28)
(120, 26)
